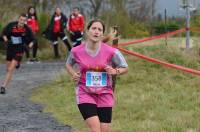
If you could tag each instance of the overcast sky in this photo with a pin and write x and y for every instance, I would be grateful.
(172, 7)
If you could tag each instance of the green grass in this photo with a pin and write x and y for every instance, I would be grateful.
(58, 98)
(150, 98)
(2, 58)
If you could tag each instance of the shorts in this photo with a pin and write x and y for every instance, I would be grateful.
(101, 100)
(15, 53)
(89, 110)
(14, 56)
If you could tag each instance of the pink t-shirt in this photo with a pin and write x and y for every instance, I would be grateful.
(93, 66)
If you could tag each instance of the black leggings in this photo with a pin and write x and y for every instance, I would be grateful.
(76, 38)
(35, 48)
(88, 110)
(64, 38)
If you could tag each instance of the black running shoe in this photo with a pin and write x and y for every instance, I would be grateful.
(3, 90)
(34, 60)
(17, 66)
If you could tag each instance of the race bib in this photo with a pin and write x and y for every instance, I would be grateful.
(16, 40)
(96, 79)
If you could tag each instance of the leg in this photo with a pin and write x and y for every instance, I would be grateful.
(93, 124)
(10, 69)
(105, 127)
(7, 64)
(26, 49)
(78, 38)
(55, 48)
(105, 116)
(67, 44)
(78, 42)
(55, 44)
(89, 113)
(35, 48)
(72, 38)
(13, 61)
(65, 40)
(3, 90)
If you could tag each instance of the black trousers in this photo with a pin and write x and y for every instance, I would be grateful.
(76, 38)
(34, 50)
(64, 38)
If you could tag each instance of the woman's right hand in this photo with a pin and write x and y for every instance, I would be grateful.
(76, 76)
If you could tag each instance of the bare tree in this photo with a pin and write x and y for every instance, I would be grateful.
(141, 10)
(136, 9)
(96, 5)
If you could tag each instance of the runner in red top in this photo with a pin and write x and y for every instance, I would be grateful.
(76, 26)
(56, 29)
(33, 24)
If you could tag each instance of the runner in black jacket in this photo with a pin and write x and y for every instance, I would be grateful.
(15, 35)
(56, 29)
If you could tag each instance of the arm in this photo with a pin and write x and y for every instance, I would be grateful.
(37, 26)
(110, 36)
(121, 70)
(30, 37)
(106, 38)
(69, 67)
(82, 23)
(75, 75)
(50, 26)
(37, 23)
(5, 39)
(30, 45)
(6, 33)
(116, 71)
(69, 24)
(119, 64)
(64, 21)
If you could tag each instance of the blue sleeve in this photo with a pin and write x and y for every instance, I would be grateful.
(71, 60)
(118, 60)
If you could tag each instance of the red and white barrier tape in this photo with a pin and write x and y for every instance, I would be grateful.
(155, 37)
(181, 68)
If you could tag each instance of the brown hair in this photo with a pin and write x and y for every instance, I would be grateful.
(22, 15)
(29, 14)
(93, 21)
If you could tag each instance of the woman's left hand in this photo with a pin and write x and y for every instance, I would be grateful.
(110, 70)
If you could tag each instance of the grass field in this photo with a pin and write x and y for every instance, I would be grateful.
(150, 98)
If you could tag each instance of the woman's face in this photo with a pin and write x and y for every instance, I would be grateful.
(58, 11)
(32, 10)
(95, 32)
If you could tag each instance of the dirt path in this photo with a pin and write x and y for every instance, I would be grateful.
(17, 113)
